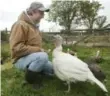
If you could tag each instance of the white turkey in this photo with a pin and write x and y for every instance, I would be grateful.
(71, 69)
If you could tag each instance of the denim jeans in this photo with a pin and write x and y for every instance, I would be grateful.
(37, 62)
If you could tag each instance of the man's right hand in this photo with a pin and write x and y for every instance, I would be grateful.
(47, 51)
(42, 50)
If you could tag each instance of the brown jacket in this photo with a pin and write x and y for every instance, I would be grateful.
(25, 38)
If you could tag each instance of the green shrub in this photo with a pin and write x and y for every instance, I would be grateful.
(4, 36)
(5, 51)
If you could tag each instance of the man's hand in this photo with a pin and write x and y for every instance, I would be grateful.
(42, 50)
(47, 51)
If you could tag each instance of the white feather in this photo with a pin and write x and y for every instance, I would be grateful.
(71, 69)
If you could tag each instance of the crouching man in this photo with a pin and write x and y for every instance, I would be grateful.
(26, 44)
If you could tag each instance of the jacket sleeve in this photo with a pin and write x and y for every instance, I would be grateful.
(17, 41)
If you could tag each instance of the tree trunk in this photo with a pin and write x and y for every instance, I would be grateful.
(69, 29)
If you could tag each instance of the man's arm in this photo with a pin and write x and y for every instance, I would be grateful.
(17, 41)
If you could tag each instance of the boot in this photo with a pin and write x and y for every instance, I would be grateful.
(33, 78)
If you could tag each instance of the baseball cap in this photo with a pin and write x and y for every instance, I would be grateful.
(38, 6)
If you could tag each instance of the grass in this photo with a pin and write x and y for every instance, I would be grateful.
(12, 79)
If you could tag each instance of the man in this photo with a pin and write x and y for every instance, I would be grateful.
(26, 44)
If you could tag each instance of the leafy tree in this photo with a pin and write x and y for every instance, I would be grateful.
(101, 22)
(63, 12)
(89, 12)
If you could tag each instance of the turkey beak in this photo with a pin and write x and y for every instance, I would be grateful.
(54, 40)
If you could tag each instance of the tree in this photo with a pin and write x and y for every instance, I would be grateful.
(89, 12)
(63, 12)
(101, 22)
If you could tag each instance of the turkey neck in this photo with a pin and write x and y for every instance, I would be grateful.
(58, 48)
(58, 45)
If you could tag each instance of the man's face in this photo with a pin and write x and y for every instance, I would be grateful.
(38, 15)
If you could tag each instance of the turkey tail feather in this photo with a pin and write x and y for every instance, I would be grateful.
(101, 85)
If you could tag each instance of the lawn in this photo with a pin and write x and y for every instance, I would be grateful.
(12, 79)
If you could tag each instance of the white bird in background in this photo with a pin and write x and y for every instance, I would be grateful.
(71, 69)
(98, 58)
(97, 54)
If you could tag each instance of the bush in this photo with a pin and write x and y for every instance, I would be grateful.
(5, 52)
(4, 36)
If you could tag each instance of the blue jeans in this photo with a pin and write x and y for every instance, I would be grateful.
(37, 62)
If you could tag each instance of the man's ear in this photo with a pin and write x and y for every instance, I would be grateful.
(28, 13)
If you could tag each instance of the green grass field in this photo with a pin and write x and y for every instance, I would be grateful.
(12, 79)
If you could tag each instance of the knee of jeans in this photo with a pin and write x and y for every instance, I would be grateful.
(44, 56)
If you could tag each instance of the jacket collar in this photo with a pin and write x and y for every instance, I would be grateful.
(25, 17)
